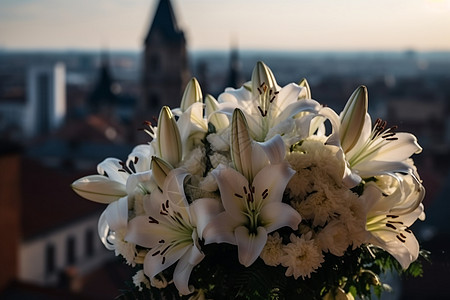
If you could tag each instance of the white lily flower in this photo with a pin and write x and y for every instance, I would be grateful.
(368, 151)
(141, 157)
(389, 217)
(265, 104)
(171, 230)
(248, 156)
(252, 209)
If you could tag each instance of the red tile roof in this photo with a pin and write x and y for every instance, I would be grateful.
(48, 201)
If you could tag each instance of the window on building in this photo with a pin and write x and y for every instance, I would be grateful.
(49, 258)
(89, 242)
(70, 250)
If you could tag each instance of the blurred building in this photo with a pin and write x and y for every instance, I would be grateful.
(46, 99)
(38, 105)
(235, 79)
(53, 250)
(165, 62)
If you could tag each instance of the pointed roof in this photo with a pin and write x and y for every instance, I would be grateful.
(165, 22)
(102, 93)
(234, 75)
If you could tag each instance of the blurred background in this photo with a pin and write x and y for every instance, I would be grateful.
(78, 79)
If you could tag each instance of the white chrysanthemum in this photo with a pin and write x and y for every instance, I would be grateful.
(273, 250)
(322, 156)
(139, 279)
(194, 163)
(208, 183)
(217, 159)
(354, 218)
(314, 163)
(300, 184)
(301, 257)
(318, 207)
(125, 249)
(334, 238)
(219, 142)
(196, 191)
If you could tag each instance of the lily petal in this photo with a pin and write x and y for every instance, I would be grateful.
(249, 244)
(220, 230)
(231, 185)
(140, 157)
(104, 231)
(116, 214)
(184, 268)
(274, 149)
(110, 167)
(296, 107)
(203, 211)
(404, 252)
(173, 188)
(142, 181)
(144, 233)
(272, 180)
(286, 96)
(400, 149)
(271, 213)
(153, 265)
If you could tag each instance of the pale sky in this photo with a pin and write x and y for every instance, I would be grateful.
(215, 24)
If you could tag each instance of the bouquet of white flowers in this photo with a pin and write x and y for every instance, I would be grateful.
(262, 194)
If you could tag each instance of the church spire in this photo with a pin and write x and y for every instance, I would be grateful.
(166, 68)
(165, 24)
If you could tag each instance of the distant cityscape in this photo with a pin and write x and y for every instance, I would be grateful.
(62, 112)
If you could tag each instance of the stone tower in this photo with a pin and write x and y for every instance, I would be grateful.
(166, 70)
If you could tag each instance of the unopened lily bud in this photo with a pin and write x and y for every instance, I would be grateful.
(192, 94)
(241, 148)
(219, 120)
(338, 294)
(262, 77)
(353, 117)
(168, 137)
(160, 169)
(99, 189)
(306, 90)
